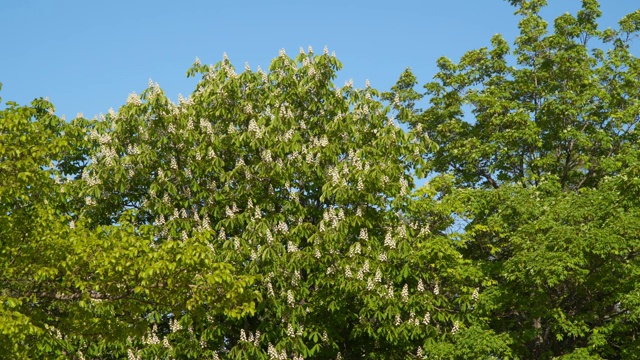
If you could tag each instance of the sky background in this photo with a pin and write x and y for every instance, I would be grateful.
(87, 56)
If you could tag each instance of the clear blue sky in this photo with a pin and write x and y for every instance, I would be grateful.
(87, 56)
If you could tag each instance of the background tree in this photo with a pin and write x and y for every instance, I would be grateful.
(535, 138)
(27, 220)
(67, 287)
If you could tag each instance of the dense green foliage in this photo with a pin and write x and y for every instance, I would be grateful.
(274, 215)
(546, 173)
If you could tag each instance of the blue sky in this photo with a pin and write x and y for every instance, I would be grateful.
(87, 56)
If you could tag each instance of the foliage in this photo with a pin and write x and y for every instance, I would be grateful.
(67, 286)
(544, 154)
(274, 215)
(301, 185)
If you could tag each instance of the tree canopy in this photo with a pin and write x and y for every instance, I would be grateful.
(274, 215)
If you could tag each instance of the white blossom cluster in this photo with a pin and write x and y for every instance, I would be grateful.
(456, 327)
(152, 337)
(174, 325)
(227, 68)
(155, 89)
(90, 180)
(347, 272)
(332, 216)
(282, 227)
(134, 99)
(424, 230)
(184, 102)
(405, 293)
(319, 142)
(109, 155)
(378, 276)
(131, 355)
(291, 247)
(427, 318)
(390, 292)
(334, 175)
(356, 249)
(403, 186)
(389, 241)
(53, 330)
(363, 270)
(206, 126)
(250, 338)
(166, 344)
(275, 355)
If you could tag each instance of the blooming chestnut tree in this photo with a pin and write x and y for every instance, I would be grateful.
(306, 189)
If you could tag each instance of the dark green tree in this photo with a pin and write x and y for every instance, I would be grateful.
(541, 143)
